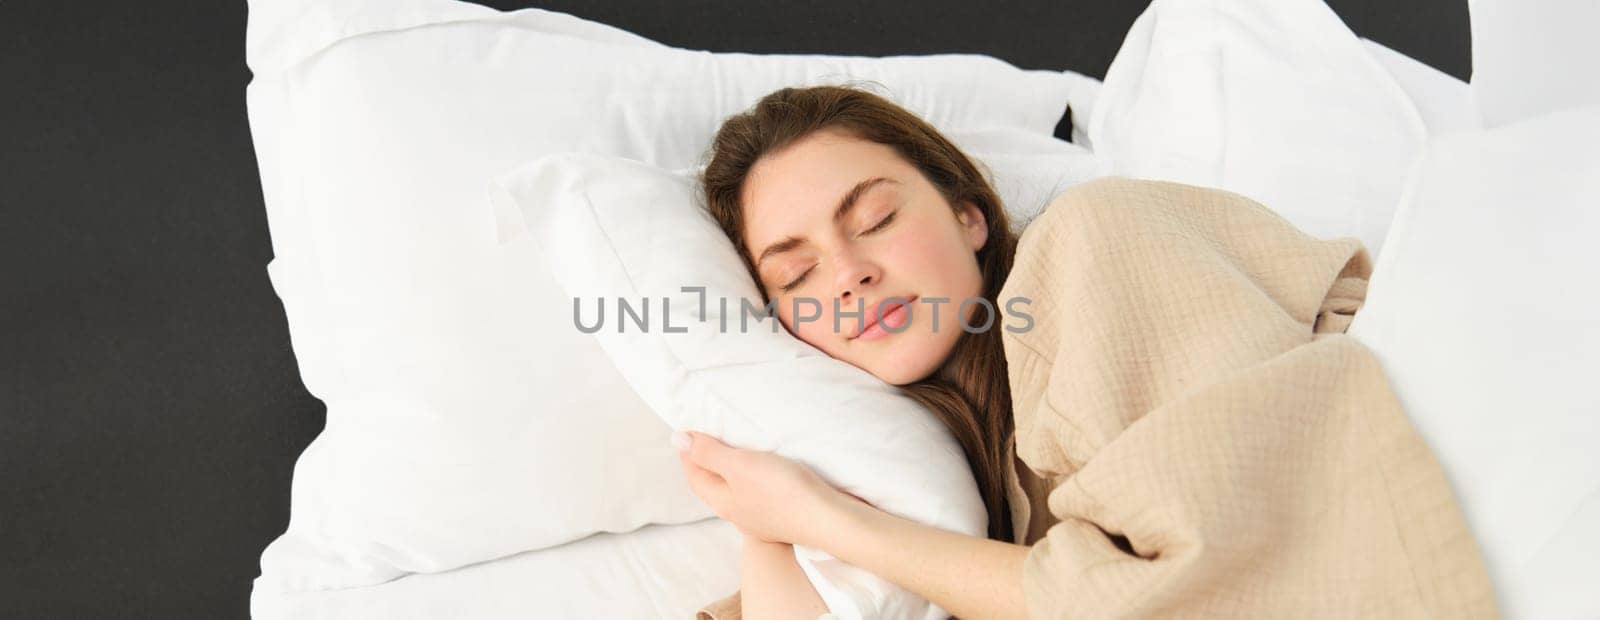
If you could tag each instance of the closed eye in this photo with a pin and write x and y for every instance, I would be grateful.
(796, 282)
(881, 223)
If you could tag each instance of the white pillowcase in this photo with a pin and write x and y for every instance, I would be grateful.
(281, 33)
(1026, 169)
(1483, 313)
(612, 228)
(1444, 103)
(1530, 57)
(1273, 99)
(466, 420)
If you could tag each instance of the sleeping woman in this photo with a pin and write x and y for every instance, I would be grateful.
(818, 190)
(1220, 447)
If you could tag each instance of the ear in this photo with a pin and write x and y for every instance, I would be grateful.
(974, 226)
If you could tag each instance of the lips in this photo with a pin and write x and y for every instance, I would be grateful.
(882, 308)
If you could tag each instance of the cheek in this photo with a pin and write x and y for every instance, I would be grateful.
(912, 253)
(939, 263)
(814, 332)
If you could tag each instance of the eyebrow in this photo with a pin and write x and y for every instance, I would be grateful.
(845, 204)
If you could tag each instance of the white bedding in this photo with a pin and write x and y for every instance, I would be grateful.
(660, 571)
(467, 420)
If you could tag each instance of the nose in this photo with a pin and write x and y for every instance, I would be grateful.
(854, 274)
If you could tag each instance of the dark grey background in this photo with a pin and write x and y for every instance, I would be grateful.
(150, 408)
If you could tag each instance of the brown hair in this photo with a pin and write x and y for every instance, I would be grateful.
(970, 392)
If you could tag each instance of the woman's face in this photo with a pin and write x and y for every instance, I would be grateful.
(836, 224)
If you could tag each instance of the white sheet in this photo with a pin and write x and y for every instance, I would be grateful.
(658, 571)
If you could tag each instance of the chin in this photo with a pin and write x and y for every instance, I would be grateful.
(899, 368)
(904, 381)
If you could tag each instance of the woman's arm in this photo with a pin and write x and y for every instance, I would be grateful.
(967, 576)
(773, 498)
(772, 584)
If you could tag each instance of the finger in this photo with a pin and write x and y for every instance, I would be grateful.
(706, 484)
(710, 453)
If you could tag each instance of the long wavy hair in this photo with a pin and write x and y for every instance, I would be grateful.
(969, 392)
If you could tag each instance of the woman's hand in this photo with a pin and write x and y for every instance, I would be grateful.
(764, 495)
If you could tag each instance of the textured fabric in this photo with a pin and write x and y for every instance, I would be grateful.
(726, 608)
(1196, 435)
(1187, 385)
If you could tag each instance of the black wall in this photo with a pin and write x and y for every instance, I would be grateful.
(150, 408)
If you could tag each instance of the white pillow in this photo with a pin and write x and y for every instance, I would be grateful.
(282, 33)
(1026, 169)
(1444, 103)
(612, 228)
(465, 421)
(1483, 313)
(1273, 99)
(1530, 57)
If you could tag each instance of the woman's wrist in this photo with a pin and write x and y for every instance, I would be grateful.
(838, 519)
(773, 585)
(966, 575)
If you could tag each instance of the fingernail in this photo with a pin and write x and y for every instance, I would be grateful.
(680, 440)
